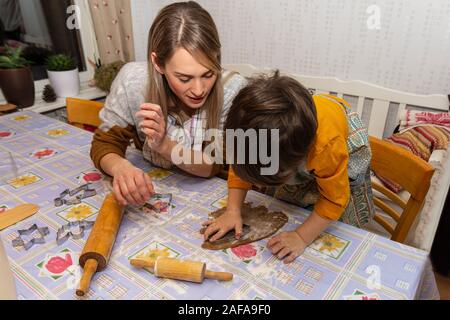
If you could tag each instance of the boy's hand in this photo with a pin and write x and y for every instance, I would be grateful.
(219, 227)
(287, 246)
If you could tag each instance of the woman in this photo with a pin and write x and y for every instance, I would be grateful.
(171, 99)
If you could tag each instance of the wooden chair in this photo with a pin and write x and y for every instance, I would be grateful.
(83, 112)
(7, 108)
(409, 171)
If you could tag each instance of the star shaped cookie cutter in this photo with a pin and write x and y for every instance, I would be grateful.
(65, 232)
(77, 200)
(19, 242)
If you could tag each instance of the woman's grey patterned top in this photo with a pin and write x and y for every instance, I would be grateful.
(119, 123)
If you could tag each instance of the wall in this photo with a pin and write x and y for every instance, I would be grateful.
(407, 48)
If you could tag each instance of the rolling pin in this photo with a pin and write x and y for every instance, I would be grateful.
(180, 269)
(98, 247)
(17, 214)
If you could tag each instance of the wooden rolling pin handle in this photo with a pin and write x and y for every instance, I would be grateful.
(89, 270)
(141, 263)
(221, 276)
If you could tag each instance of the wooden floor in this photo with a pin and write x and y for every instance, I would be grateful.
(443, 284)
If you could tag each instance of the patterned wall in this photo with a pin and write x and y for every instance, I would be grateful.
(400, 44)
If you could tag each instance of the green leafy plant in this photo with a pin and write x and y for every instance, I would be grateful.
(12, 59)
(105, 75)
(61, 62)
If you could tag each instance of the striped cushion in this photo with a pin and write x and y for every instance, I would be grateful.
(421, 140)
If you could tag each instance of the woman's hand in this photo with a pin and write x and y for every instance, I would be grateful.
(152, 124)
(287, 246)
(130, 184)
(217, 228)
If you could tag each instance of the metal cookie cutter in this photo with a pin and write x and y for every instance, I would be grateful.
(87, 194)
(65, 232)
(84, 187)
(77, 200)
(71, 202)
(164, 198)
(59, 201)
(19, 242)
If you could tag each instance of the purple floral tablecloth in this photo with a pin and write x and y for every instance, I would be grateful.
(51, 156)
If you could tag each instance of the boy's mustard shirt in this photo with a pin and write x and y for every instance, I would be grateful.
(327, 159)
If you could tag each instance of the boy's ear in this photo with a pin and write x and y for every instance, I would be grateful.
(155, 65)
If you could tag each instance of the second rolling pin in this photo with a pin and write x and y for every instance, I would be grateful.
(180, 269)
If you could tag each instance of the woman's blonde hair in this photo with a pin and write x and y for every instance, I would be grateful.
(185, 25)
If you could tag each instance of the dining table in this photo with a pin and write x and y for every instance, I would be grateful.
(41, 158)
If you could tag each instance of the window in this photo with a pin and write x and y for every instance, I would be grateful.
(44, 27)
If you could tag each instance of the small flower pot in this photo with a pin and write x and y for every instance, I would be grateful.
(17, 86)
(65, 83)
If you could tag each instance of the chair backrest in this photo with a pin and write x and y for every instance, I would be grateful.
(83, 112)
(410, 172)
(379, 107)
(7, 108)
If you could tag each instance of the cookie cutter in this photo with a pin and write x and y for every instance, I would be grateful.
(64, 193)
(159, 196)
(19, 242)
(87, 194)
(75, 191)
(65, 232)
(71, 202)
(59, 201)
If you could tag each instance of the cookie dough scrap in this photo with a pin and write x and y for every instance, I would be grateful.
(258, 222)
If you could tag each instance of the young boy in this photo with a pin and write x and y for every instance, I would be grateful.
(324, 160)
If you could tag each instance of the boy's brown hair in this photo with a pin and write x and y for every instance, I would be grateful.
(274, 102)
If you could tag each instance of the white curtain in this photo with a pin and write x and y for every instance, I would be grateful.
(113, 29)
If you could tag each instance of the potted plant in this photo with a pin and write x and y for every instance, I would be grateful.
(38, 58)
(16, 79)
(63, 75)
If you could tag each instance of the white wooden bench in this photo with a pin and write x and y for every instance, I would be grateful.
(380, 109)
